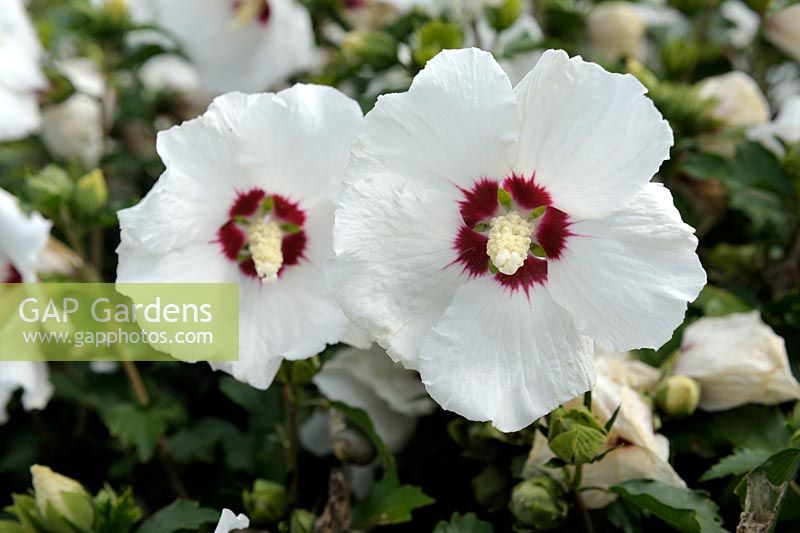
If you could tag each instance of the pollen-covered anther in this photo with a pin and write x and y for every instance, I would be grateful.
(264, 240)
(509, 242)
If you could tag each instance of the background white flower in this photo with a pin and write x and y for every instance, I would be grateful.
(20, 73)
(784, 129)
(573, 148)
(241, 45)
(737, 359)
(248, 196)
(75, 128)
(739, 100)
(783, 30)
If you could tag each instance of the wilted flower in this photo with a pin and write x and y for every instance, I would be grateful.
(486, 234)
(392, 397)
(737, 359)
(740, 101)
(228, 521)
(616, 30)
(244, 45)
(248, 196)
(20, 54)
(640, 452)
(785, 128)
(367, 379)
(75, 128)
(63, 503)
(783, 30)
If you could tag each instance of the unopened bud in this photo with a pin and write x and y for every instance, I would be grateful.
(502, 16)
(63, 503)
(678, 396)
(375, 48)
(432, 38)
(49, 189)
(266, 502)
(575, 436)
(539, 503)
(91, 193)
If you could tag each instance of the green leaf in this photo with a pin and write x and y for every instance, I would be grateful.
(683, 509)
(740, 461)
(361, 419)
(197, 442)
(388, 503)
(115, 513)
(715, 301)
(179, 515)
(468, 523)
(613, 419)
(140, 427)
(751, 426)
(705, 166)
(765, 490)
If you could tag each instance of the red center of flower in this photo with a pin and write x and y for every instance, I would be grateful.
(11, 275)
(531, 201)
(249, 208)
(263, 13)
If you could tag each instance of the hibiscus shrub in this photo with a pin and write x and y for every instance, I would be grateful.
(485, 284)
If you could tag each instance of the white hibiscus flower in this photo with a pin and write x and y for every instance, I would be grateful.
(492, 301)
(22, 243)
(241, 45)
(248, 196)
(737, 359)
(20, 55)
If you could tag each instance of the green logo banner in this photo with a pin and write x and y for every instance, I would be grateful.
(115, 322)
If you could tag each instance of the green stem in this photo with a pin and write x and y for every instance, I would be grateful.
(290, 397)
(575, 486)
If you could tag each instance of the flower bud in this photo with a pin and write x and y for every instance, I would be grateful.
(375, 48)
(539, 503)
(434, 37)
(783, 30)
(63, 503)
(678, 395)
(49, 189)
(91, 193)
(575, 436)
(616, 30)
(502, 16)
(266, 502)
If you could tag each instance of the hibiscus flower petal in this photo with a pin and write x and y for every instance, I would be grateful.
(457, 123)
(591, 137)
(395, 272)
(627, 278)
(504, 356)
